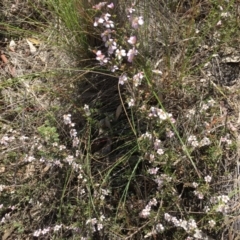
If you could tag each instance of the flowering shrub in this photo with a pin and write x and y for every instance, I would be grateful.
(150, 164)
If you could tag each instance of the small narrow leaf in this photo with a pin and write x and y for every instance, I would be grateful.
(118, 111)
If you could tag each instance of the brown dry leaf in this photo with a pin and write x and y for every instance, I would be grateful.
(2, 168)
(4, 58)
(30, 170)
(7, 233)
(118, 112)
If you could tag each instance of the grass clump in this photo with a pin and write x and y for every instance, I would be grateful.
(133, 134)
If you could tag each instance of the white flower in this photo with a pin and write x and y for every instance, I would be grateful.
(123, 78)
(132, 40)
(37, 233)
(106, 35)
(157, 143)
(131, 103)
(208, 179)
(67, 119)
(225, 14)
(101, 57)
(93, 221)
(170, 133)
(131, 53)
(131, 10)
(183, 224)
(137, 78)
(204, 107)
(57, 227)
(160, 151)
(193, 140)
(111, 5)
(192, 225)
(153, 202)
(206, 209)
(97, 21)
(211, 223)
(159, 227)
(137, 21)
(120, 53)
(198, 194)
(223, 198)
(205, 142)
(86, 109)
(109, 24)
(167, 217)
(69, 159)
(198, 234)
(99, 226)
(100, 5)
(112, 46)
(145, 212)
(211, 103)
(29, 158)
(175, 221)
(152, 157)
(195, 185)
(45, 230)
(114, 68)
(153, 170)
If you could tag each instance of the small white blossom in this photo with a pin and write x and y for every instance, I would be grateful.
(111, 5)
(101, 57)
(131, 103)
(147, 135)
(159, 227)
(69, 159)
(205, 142)
(137, 21)
(153, 170)
(195, 185)
(120, 53)
(198, 194)
(132, 40)
(29, 158)
(109, 24)
(99, 6)
(145, 212)
(137, 79)
(123, 78)
(45, 230)
(67, 119)
(192, 225)
(37, 233)
(167, 217)
(211, 223)
(99, 226)
(152, 157)
(86, 109)
(198, 234)
(208, 179)
(106, 35)
(170, 133)
(193, 140)
(206, 209)
(111, 45)
(160, 151)
(225, 14)
(131, 53)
